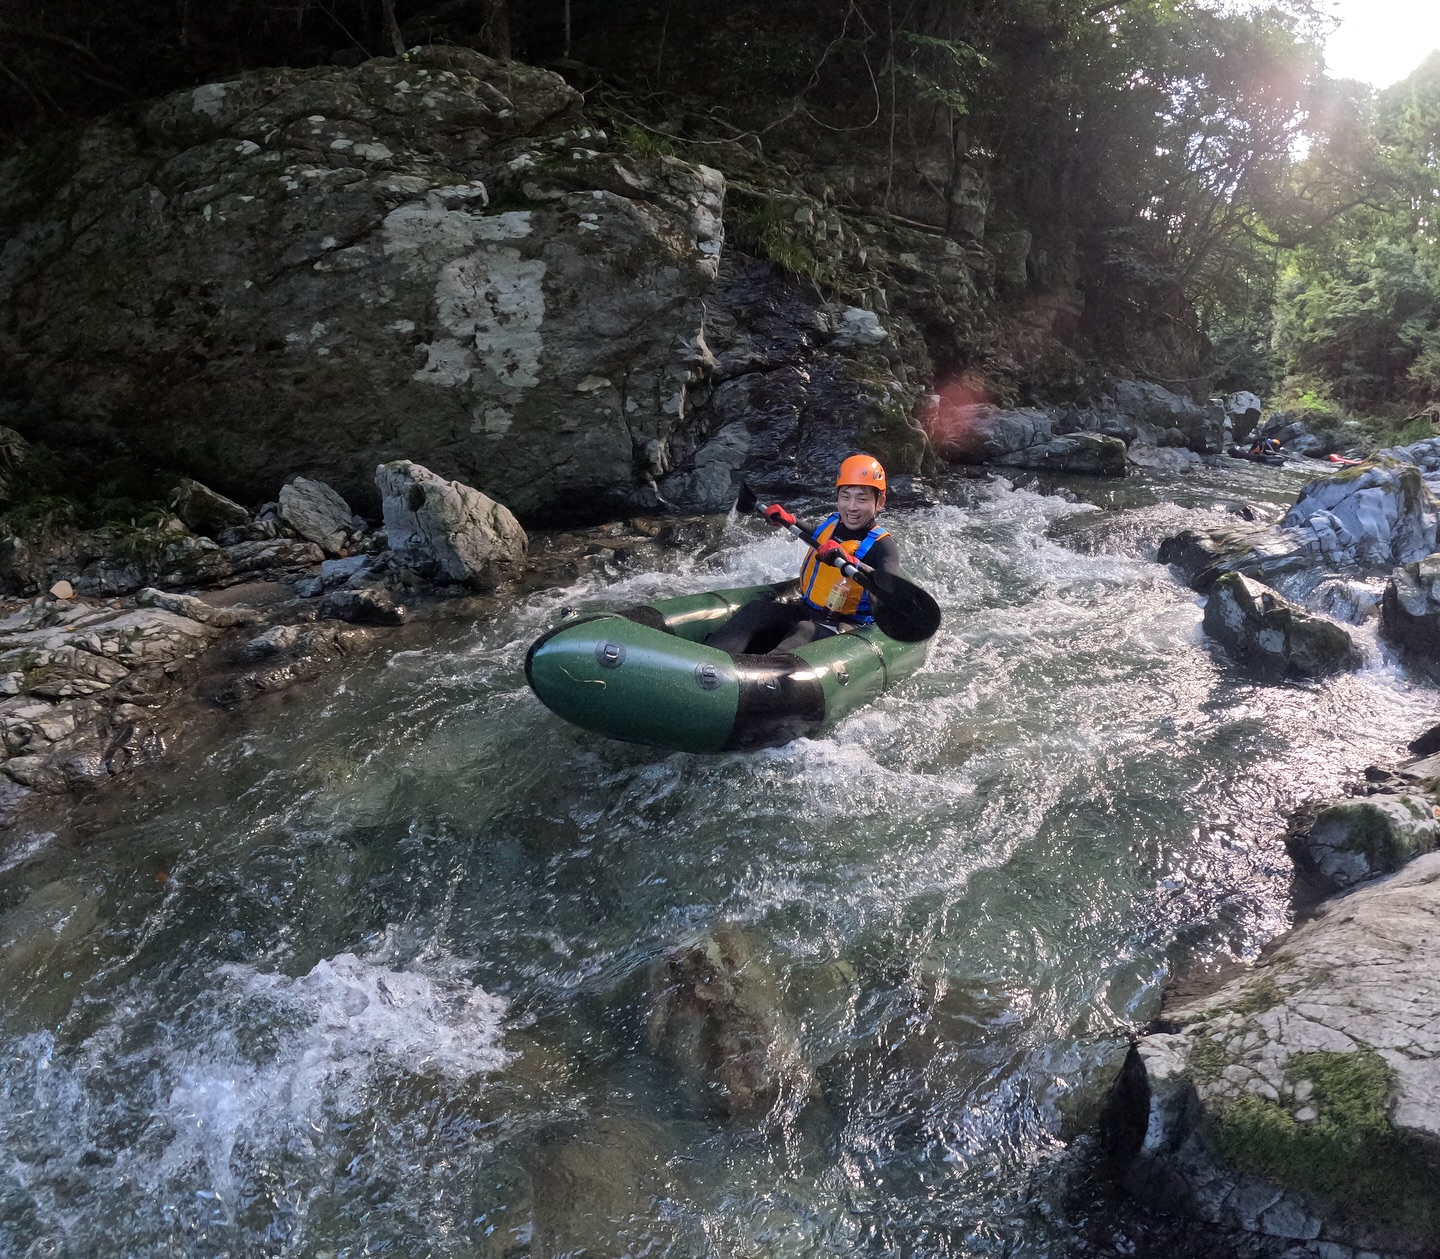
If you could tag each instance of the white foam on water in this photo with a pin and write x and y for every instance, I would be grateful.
(338, 1030)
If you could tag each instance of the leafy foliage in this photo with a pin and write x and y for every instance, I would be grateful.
(1358, 311)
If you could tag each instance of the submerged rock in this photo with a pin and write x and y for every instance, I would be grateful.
(1271, 636)
(1354, 840)
(448, 531)
(285, 655)
(598, 1189)
(365, 605)
(1302, 1100)
(717, 1012)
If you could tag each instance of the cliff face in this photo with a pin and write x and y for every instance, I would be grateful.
(581, 308)
(308, 269)
(440, 258)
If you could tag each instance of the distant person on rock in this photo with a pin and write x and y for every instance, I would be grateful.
(826, 602)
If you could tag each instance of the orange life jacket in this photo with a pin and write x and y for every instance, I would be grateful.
(826, 588)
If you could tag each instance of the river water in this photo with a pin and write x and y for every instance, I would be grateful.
(363, 968)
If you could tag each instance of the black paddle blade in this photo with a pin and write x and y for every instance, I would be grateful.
(745, 501)
(902, 610)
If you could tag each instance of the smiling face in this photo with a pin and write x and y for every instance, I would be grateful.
(858, 505)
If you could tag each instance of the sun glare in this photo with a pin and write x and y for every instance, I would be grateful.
(1381, 41)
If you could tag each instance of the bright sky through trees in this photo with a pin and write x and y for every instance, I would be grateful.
(1381, 41)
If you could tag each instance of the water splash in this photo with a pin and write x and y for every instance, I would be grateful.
(1011, 851)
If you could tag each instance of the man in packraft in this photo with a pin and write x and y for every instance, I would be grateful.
(826, 602)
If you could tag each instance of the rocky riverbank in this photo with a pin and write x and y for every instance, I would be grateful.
(1299, 1102)
(101, 672)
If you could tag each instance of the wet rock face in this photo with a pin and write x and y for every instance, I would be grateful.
(1302, 1100)
(787, 388)
(717, 1012)
(1272, 637)
(1410, 608)
(302, 269)
(1354, 840)
(78, 682)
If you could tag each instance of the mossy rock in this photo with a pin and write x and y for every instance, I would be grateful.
(1335, 1143)
(1354, 840)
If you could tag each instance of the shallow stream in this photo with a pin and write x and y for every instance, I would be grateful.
(363, 970)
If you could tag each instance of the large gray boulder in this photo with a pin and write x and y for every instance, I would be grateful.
(1090, 454)
(302, 268)
(204, 511)
(981, 433)
(317, 513)
(448, 531)
(1425, 455)
(1302, 1100)
(1242, 412)
(1022, 438)
(1373, 516)
(1354, 840)
(1272, 637)
(1147, 403)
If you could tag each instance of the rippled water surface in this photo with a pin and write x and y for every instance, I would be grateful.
(364, 969)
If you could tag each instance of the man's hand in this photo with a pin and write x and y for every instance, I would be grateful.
(778, 516)
(832, 552)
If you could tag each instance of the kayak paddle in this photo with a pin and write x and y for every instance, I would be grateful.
(901, 609)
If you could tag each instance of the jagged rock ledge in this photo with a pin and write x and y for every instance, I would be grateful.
(94, 683)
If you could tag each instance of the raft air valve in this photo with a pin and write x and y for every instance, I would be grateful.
(610, 655)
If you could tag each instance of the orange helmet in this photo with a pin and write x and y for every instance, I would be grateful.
(862, 470)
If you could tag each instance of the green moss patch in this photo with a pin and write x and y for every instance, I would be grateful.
(1259, 996)
(1349, 1155)
(1207, 1059)
(760, 225)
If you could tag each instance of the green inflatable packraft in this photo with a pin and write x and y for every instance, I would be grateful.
(644, 675)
